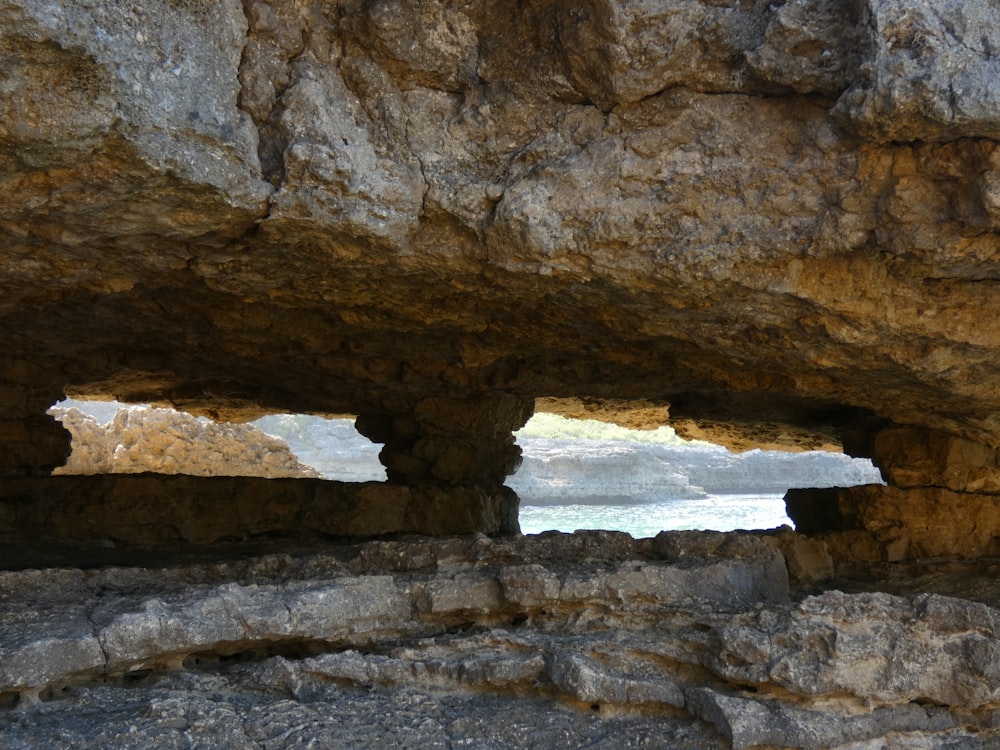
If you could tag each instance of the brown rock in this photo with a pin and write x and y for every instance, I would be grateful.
(442, 210)
(910, 457)
(163, 441)
(160, 511)
(903, 523)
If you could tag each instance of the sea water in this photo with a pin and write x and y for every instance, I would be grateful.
(715, 512)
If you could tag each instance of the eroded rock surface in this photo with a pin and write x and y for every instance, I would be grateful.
(97, 517)
(141, 439)
(760, 214)
(691, 640)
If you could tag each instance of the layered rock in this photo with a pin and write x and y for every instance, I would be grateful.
(942, 499)
(106, 517)
(776, 220)
(686, 640)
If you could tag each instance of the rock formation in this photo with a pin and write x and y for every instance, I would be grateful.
(776, 218)
(109, 437)
(770, 222)
(690, 640)
(140, 439)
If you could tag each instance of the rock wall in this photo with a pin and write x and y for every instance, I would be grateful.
(114, 438)
(93, 518)
(775, 222)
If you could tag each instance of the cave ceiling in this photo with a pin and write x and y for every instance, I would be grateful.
(778, 217)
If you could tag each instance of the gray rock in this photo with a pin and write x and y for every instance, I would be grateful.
(748, 722)
(558, 641)
(590, 682)
(620, 52)
(810, 46)
(231, 712)
(930, 72)
(876, 647)
(167, 85)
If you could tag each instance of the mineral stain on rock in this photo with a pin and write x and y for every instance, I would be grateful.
(766, 223)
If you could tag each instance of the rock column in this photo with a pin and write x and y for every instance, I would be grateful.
(31, 442)
(445, 445)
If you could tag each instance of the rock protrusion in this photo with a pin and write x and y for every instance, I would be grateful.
(31, 442)
(942, 499)
(107, 514)
(451, 440)
(876, 523)
(929, 73)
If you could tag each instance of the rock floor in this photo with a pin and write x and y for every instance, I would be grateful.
(593, 639)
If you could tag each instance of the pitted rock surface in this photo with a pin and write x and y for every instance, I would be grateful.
(778, 219)
(691, 640)
(164, 441)
(774, 223)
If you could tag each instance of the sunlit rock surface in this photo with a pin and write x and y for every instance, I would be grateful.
(140, 439)
(778, 219)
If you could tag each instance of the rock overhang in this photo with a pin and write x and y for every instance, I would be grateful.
(783, 243)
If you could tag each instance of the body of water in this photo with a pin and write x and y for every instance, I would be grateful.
(715, 512)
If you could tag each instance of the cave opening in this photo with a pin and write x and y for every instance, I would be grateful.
(576, 473)
(590, 474)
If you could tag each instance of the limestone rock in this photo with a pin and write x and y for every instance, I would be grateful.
(930, 73)
(431, 215)
(588, 681)
(96, 515)
(913, 458)
(900, 523)
(159, 622)
(876, 647)
(563, 639)
(140, 439)
(146, 95)
(811, 46)
(747, 722)
(358, 208)
(620, 52)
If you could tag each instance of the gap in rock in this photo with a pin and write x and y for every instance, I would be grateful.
(110, 437)
(589, 474)
(331, 446)
(576, 473)
(211, 660)
(9, 699)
